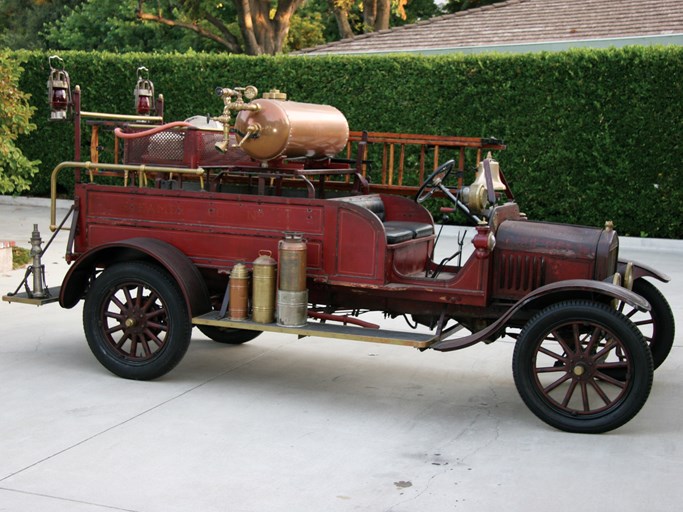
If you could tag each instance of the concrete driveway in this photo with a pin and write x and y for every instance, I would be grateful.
(281, 424)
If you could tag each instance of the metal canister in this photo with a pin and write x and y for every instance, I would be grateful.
(292, 296)
(263, 288)
(292, 308)
(292, 263)
(239, 292)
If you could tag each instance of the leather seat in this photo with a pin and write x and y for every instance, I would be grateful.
(396, 231)
(418, 229)
(397, 234)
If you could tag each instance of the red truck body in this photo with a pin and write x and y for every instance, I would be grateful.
(152, 254)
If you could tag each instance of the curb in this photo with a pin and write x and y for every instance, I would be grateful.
(43, 202)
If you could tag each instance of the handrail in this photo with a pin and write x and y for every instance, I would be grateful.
(121, 117)
(109, 167)
(441, 140)
(135, 135)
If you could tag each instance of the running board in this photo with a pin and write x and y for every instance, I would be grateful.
(24, 298)
(323, 330)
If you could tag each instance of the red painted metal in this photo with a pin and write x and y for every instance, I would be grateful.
(363, 250)
(556, 292)
(345, 319)
(184, 273)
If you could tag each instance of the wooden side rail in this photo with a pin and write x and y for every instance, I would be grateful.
(426, 148)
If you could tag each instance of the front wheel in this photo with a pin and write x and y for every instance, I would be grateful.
(657, 325)
(582, 367)
(136, 321)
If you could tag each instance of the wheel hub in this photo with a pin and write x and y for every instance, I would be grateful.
(135, 320)
(579, 370)
(581, 366)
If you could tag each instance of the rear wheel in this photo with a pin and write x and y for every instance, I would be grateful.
(657, 325)
(227, 335)
(582, 367)
(136, 321)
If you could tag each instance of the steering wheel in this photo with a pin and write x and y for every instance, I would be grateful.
(435, 182)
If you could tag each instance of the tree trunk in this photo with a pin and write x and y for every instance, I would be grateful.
(281, 22)
(261, 34)
(342, 17)
(382, 16)
(370, 13)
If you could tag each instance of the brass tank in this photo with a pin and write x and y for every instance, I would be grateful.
(263, 288)
(239, 292)
(290, 129)
(292, 295)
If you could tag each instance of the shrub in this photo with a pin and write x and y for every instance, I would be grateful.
(15, 113)
(592, 134)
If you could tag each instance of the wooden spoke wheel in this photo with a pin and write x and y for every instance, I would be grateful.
(582, 367)
(136, 321)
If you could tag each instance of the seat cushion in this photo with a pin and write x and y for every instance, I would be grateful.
(419, 229)
(396, 234)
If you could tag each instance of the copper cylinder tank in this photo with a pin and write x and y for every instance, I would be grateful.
(292, 296)
(263, 288)
(291, 129)
(239, 292)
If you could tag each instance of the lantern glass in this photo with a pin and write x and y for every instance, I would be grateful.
(60, 99)
(144, 105)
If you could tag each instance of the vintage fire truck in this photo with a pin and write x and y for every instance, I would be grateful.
(263, 219)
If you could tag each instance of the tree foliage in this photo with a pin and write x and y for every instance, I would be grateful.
(249, 27)
(584, 145)
(111, 25)
(16, 170)
(452, 6)
(263, 29)
(22, 21)
(361, 16)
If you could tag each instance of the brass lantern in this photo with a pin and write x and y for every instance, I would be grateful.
(144, 93)
(58, 89)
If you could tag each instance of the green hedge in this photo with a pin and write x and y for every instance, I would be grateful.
(592, 134)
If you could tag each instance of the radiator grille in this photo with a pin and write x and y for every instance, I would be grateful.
(520, 273)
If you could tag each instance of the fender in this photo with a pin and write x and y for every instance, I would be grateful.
(183, 271)
(571, 285)
(641, 270)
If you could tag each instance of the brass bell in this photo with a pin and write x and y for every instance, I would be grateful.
(480, 177)
(476, 195)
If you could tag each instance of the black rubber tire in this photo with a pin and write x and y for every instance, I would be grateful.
(657, 325)
(136, 321)
(609, 361)
(227, 335)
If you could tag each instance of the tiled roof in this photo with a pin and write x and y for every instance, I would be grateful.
(523, 22)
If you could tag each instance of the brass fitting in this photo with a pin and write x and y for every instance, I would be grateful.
(233, 102)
